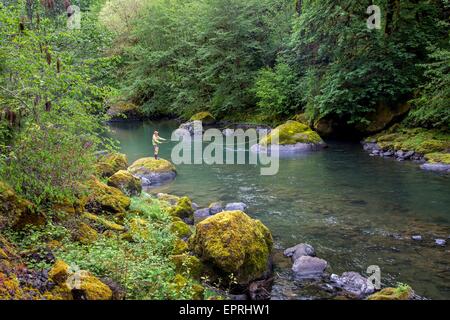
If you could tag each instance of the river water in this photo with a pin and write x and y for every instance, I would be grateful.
(356, 210)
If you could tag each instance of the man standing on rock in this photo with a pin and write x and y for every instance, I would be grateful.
(156, 140)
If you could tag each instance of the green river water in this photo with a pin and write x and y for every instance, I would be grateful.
(356, 210)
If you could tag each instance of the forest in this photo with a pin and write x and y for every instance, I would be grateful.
(68, 196)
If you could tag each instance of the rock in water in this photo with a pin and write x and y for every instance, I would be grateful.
(152, 171)
(236, 206)
(300, 250)
(353, 283)
(201, 214)
(125, 182)
(307, 267)
(293, 137)
(215, 208)
(438, 167)
(440, 242)
(234, 243)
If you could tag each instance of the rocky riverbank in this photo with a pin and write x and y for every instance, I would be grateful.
(428, 148)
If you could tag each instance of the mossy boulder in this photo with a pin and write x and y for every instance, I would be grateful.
(182, 209)
(85, 234)
(103, 223)
(188, 265)
(15, 211)
(110, 163)
(383, 116)
(180, 229)
(152, 171)
(180, 247)
(291, 136)
(169, 198)
(139, 229)
(234, 243)
(126, 182)
(103, 198)
(302, 118)
(402, 292)
(125, 110)
(205, 117)
(82, 284)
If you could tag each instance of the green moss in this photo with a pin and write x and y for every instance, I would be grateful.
(234, 243)
(179, 247)
(181, 229)
(103, 198)
(103, 223)
(292, 132)
(92, 288)
(111, 163)
(139, 229)
(420, 140)
(15, 211)
(205, 117)
(182, 209)
(148, 165)
(438, 157)
(402, 292)
(188, 265)
(125, 182)
(301, 118)
(85, 234)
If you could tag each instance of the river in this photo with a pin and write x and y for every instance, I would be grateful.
(356, 210)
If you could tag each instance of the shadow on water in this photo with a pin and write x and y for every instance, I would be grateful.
(354, 209)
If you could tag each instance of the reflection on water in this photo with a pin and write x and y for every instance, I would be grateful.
(354, 209)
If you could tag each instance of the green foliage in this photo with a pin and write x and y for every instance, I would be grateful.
(53, 89)
(194, 56)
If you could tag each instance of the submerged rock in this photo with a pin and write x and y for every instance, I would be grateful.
(307, 267)
(300, 250)
(234, 243)
(236, 206)
(438, 167)
(152, 171)
(292, 137)
(353, 283)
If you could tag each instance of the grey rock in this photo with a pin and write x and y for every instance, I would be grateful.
(300, 250)
(438, 167)
(417, 237)
(215, 208)
(195, 206)
(288, 149)
(307, 267)
(201, 214)
(440, 242)
(236, 206)
(353, 283)
(156, 178)
(388, 154)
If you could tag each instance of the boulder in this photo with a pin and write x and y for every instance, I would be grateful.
(106, 199)
(292, 137)
(152, 171)
(353, 283)
(188, 265)
(125, 110)
(181, 229)
(215, 208)
(402, 292)
(234, 243)
(82, 284)
(300, 250)
(201, 214)
(236, 206)
(383, 116)
(307, 267)
(126, 182)
(85, 234)
(437, 167)
(169, 198)
(205, 117)
(15, 211)
(182, 209)
(102, 223)
(110, 163)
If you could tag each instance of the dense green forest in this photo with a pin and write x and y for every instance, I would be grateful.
(252, 61)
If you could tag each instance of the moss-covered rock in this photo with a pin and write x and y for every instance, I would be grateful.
(235, 244)
(179, 247)
(182, 209)
(383, 116)
(82, 284)
(85, 234)
(15, 211)
(181, 229)
(125, 110)
(103, 198)
(438, 157)
(188, 265)
(110, 163)
(402, 292)
(169, 198)
(152, 171)
(139, 229)
(126, 182)
(103, 223)
(205, 117)
(302, 118)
